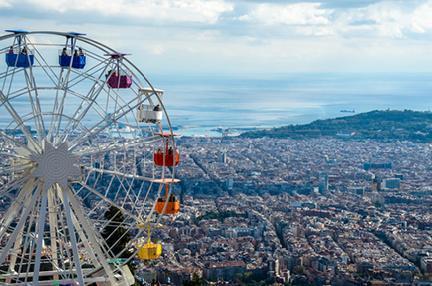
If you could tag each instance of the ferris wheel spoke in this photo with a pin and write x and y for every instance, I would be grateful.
(35, 103)
(90, 101)
(72, 237)
(27, 244)
(89, 74)
(18, 202)
(95, 242)
(55, 106)
(92, 95)
(102, 125)
(52, 220)
(15, 142)
(44, 65)
(105, 199)
(115, 115)
(85, 241)
(122, 179)
(18, 120)
(14, 185)
(106, 147)
(118, 174)
(16, 94)
(6, 154)
(9, 72)
(59, 105)
(152, 208)
(25, 211)
(6, 170)
(65, 251)
(40, 231)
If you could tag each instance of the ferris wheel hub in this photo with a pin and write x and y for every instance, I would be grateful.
(55, 165)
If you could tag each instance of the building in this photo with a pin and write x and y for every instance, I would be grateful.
(392, 183)
(224, 271)
(323, 183)
(369, 165)
(426, 264)
(223, 158)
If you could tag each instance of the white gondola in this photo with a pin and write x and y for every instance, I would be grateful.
(149, 114)
(149, 91)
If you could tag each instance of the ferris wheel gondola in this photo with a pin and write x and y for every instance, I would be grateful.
(70, 55)
(78, 160)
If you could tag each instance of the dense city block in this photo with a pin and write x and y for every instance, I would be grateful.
(305, 212)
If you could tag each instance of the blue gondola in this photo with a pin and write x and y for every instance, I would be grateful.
(78, 62)
(19, 60)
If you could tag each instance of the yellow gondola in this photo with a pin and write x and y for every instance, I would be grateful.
(149, 250)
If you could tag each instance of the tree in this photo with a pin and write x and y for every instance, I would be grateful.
(115, 234)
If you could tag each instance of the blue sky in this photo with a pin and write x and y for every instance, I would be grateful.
(245, 37)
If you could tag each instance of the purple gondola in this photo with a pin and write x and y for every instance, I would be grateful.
(117, 79)
(122, 81)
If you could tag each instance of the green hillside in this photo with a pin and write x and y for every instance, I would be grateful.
(379, 125)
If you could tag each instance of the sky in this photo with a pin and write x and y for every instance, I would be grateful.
(226, 37)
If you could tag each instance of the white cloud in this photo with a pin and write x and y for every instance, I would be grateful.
(392, 19)
(421, 20)
(385, 36)
(291, 14)
(201, 11)
(5, 4)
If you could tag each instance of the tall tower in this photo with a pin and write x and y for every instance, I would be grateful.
(323, 183)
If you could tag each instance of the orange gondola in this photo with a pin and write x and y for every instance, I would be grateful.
(168, 204)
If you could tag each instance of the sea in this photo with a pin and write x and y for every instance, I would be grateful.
(210, 105)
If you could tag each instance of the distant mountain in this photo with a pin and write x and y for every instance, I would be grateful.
(378, 125)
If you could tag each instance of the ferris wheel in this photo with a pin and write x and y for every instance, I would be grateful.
(87, 161)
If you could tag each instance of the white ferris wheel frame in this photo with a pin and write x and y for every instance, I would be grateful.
(36, 207)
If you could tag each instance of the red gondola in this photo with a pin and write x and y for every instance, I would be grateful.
(168, 157)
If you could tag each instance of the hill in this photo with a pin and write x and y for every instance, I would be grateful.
(378, 125)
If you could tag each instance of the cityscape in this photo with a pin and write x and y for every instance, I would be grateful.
(302, 212)
(216, 142)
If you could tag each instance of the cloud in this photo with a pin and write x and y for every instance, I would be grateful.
(291, 14)
(421, 19)
(244, 36)
(198, 11)
(5, 4)
(392, 19)
(324, 3)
